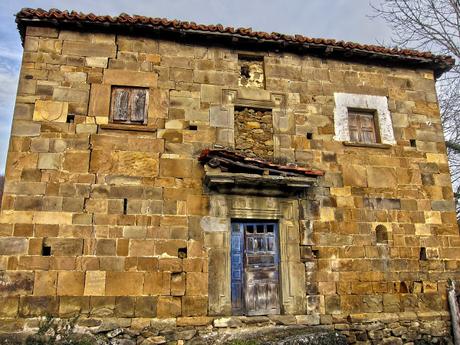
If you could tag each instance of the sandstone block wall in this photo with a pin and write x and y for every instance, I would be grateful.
(107, 221)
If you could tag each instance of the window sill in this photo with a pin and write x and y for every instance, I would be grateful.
(126, 127)
(375, 145)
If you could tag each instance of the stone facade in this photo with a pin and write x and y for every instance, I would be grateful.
(112, 221)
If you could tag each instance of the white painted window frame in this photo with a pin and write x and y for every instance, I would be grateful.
(379, 104)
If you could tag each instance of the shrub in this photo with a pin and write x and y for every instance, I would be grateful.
(58, 332)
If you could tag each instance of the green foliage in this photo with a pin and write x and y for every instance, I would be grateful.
(57, 332)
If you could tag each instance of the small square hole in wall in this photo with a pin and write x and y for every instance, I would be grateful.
(46, 250)
(251, 71)
(193, 127)
(309, 136)
(125, 206)
(423, 256)
(182, 253)
(70, 118)
(413, 143)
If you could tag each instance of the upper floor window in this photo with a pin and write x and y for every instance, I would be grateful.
(355, 122)
(129, 105)
(362, 126)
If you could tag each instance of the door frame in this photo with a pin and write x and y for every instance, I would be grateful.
(242, 244)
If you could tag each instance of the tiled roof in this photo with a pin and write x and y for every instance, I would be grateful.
(27, 16)
(235, 162)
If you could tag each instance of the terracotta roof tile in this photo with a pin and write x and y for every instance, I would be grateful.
(55, 17)
(237, 162)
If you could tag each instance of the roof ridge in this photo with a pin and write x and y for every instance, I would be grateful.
(124, 18)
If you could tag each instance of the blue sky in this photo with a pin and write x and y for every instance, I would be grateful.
(339, 19)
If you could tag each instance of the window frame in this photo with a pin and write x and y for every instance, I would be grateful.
(375, 122)
(129, 121)
(383, 121)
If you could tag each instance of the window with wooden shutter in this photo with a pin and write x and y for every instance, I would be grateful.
(129, 105)
(361, 125)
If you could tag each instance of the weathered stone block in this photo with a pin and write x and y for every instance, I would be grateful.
(25, 128)
(354, 175)
(142, 247)
(220, 117)
(124, 306)
(178, 284)
(157, 283)
(99, 102)
(169, 307)
(95, 283)
(170, 264)
(175, 167)
(380, 177)
(65, 246)
(14, 283)
(45, 283)
(102, 306)
(130, 78)
(49, 161)
(33, 306)
(197, 284)
(42, 31)
(124, 283)
(76, 162)
(52, 111)
(70, 283)
(72, 95)
(146, 307)
(73, 306)
(9, 307)
(194, 305)
(13, 246)
(85, 49)
(124, 163)
(96, 61)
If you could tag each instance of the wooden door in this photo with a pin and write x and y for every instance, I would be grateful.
(255, 269)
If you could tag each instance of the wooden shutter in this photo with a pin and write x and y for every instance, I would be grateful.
(353, 126)
(129, 105)
(120, 104)
(362, 126)
(367, 122)
(138, 105)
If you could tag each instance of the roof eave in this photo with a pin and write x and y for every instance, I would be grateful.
(438, 66)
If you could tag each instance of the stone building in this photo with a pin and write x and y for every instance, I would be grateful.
(167, 173)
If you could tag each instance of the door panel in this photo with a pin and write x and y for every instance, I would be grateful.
(237, 269)
(255, 258)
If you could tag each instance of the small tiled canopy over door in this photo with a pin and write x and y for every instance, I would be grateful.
(255, 268)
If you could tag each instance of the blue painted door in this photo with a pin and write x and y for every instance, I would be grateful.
(255, 268)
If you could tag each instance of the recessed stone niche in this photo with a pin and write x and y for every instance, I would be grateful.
(251, 71)
(254, 132)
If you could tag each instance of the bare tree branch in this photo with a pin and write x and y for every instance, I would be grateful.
(433, 25)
